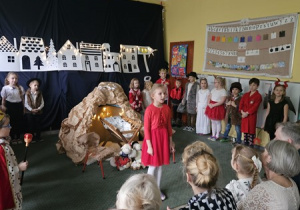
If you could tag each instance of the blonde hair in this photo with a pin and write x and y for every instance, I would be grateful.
(163, 70)
(148, 85)
(155, 87)
(283, 95)
(140, 191)
(203, 168)
(222, 81)
(6, 82)
(191, 149)
(243, 157)
(131, 86)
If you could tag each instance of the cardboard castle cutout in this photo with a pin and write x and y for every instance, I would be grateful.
(69, 57)
(91, 57)
(9, 59)
(33, 56)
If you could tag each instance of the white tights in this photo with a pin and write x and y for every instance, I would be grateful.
(155, 171)
(216, 128)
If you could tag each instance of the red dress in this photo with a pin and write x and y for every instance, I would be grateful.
(136, 100)
(250, 104)
(157, 128)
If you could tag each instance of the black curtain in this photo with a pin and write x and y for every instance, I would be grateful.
(93, 21)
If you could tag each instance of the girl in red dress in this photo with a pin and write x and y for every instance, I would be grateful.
(135, 95)
(158, 134)
(215, 109)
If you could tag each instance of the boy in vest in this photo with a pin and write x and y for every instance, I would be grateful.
(34, 104)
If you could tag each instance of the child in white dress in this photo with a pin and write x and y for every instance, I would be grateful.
(202, 122)
(246, 163)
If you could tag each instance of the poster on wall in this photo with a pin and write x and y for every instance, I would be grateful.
(261, 46)
(179, 58)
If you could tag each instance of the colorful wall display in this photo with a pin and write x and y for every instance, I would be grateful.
(179, 59)
(261, 46)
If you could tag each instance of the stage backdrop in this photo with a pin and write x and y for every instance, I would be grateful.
(91, 21)
(262, 46)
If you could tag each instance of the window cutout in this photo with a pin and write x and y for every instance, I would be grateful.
(68, 46)
(96, 64)
(65, 65)
(64, 57)
(95, 57)
(73, 57)
(74, 64)
(281, 33)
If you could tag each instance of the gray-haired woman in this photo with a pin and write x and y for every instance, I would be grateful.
(281, 161)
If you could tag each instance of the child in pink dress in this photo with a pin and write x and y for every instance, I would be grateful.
(135, 95)
(158, 134)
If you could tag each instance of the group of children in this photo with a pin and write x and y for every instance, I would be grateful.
(17, 103)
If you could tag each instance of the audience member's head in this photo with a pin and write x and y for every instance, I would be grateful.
(282, 158)
(289, 132)
(201, 167)
(245, 161)
(191, 149)
(139, 192)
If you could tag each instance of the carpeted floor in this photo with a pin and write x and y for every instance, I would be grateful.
(52, 181)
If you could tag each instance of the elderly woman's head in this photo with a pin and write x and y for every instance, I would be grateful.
(282, 158)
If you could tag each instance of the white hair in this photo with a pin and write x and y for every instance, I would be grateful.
(140, 191)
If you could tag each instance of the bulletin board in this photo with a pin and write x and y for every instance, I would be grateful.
(261, 46)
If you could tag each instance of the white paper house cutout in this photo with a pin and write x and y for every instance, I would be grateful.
(145, 50)
(105, 47)
(32, 54)
(9, 56)
(129, 58)
(111, 62)
(91, 56)
(69, 57)
(52, 60)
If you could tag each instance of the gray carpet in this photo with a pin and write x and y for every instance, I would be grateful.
(52, 181)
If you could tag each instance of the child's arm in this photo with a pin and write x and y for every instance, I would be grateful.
(223, 99)
(254, 107)
(266, 115)
(26, 105)
(285, 112)
(147, 131)
(3, 95)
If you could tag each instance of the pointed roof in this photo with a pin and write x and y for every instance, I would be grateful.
(6, 46)
(32, 44)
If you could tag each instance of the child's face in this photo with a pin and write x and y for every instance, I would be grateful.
(216, 83)
(192, 79)
(203, 84)
(159, 95)
(5, 129)
(148, 85)
(12, 79)
(279, 91)
(163, 75)
(136, 84)
(235, 91)
(34, 85)
(178, 83)
(253, 87)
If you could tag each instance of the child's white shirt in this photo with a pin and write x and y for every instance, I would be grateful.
(217, 94)
(240, 188)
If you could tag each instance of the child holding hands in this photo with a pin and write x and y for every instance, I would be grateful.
(189, 98)
(164, 81)
(215, 109)
(248, 107)
(233, 116)
(34, 103)
(135, 95)
(277, 110)
(202, 122)
(13, 104)
(10, 189)
(245, 161)
(176, 96)
(158, 134)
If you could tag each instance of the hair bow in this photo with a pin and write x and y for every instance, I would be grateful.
(257, 163)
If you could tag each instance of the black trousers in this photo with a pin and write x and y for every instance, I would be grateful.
(176, 115)
(16, 113)
(34, 125)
